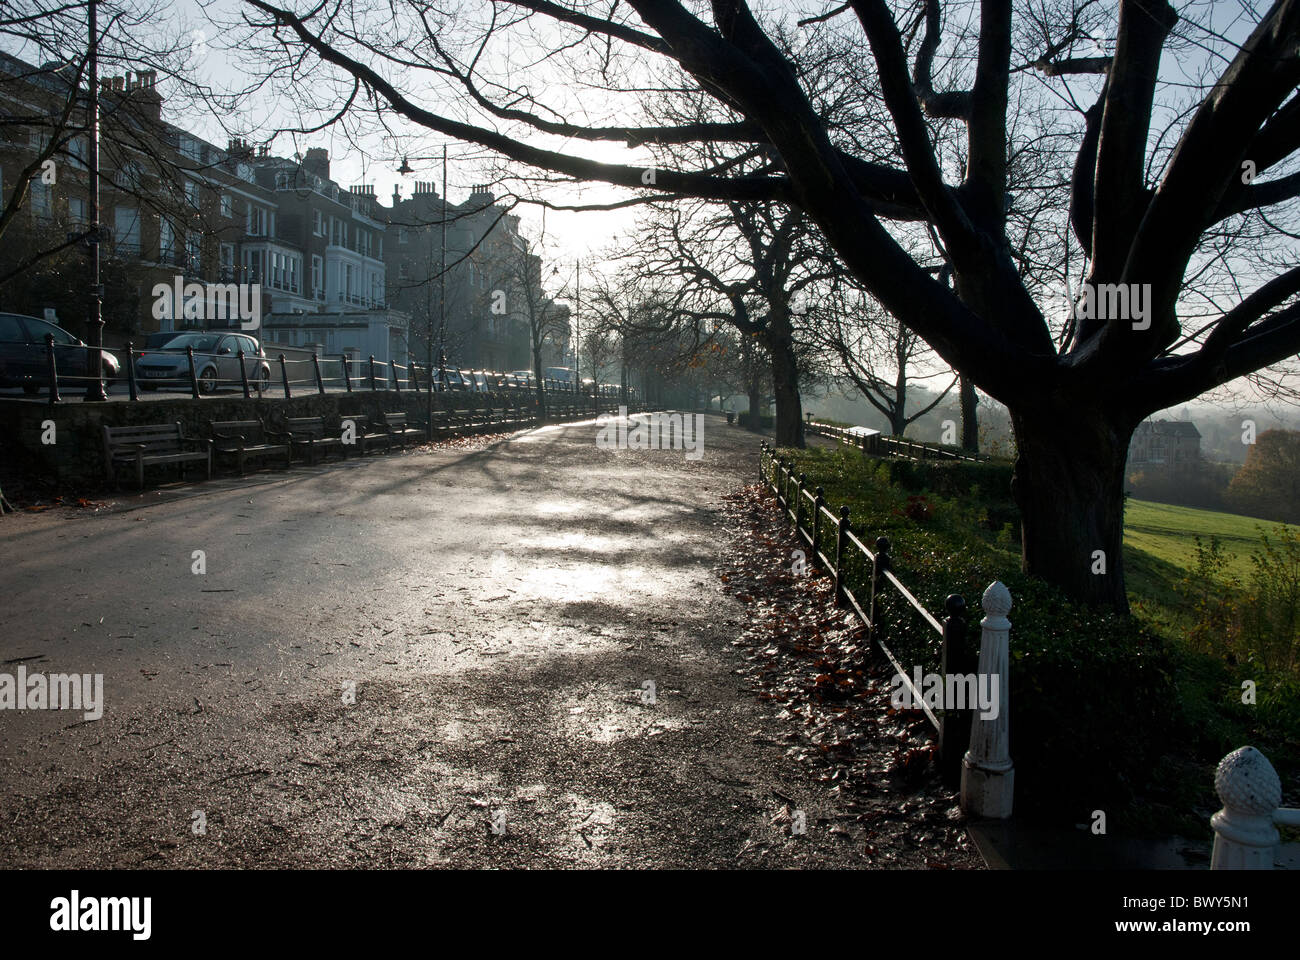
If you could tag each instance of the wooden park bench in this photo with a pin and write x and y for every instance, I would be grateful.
(364, 436)
(310, 432)
(242, 439)
(151, 444)
(398, 431)
(441, 424)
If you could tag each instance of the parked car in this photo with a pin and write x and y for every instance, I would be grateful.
(23, 359)
(154, 341)
(456, 379)
(216, 362)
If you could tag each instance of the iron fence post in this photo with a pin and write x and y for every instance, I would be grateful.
(130, 371)
(841, 538)
(879, 564)
(53, 368)
(819, 501)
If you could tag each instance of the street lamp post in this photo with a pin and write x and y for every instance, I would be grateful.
(442, 280)
(404, 170)
(94, 360)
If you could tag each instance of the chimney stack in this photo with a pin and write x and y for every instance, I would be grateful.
(317, 161)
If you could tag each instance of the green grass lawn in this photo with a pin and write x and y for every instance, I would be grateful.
(1166, 534)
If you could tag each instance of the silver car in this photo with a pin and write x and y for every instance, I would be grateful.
(216, 362)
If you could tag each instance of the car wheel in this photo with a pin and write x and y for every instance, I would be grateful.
(208, 380)
(31, 389)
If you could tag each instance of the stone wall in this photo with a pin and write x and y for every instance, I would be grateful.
(77, 455)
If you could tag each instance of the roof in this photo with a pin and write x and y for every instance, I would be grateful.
(1169, 428)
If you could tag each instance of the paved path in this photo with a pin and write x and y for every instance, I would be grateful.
(497, 614)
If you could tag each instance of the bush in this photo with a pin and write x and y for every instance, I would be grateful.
(745, 419)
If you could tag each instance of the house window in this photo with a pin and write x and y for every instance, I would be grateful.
(193, 252)
(227, 207)
(192, 194)
(317, 277)
(401, 235)
(166, 241)
(227, 261)
(78, 152)
(76, 211)
(126, 230)
(318, 223)
(131, 176)
(42, 199)
(254, 265)
(256, 221)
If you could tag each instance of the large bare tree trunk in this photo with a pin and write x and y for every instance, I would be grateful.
(970, 426)
(785, 379)
(1068, 482)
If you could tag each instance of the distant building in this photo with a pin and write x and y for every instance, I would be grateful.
(491, 277)
(1164, 445)
(337, 270)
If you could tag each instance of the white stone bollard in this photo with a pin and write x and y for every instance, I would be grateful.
(1244, 831)
(987, 774)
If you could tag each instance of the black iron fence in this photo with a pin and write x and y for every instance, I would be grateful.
(204, 373)
(863, 578)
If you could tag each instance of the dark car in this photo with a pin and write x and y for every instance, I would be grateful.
(24, 362)
(216, 362)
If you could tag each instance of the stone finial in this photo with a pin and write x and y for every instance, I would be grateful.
(1247, 783)
(996, 600)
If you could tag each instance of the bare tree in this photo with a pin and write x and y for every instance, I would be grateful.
(881, 357)
(1157, 174)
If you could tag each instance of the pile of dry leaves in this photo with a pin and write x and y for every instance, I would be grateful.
(812, 661)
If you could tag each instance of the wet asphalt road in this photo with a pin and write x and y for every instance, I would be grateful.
(425, 659)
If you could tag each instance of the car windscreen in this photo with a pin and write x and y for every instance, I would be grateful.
(200, 342)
